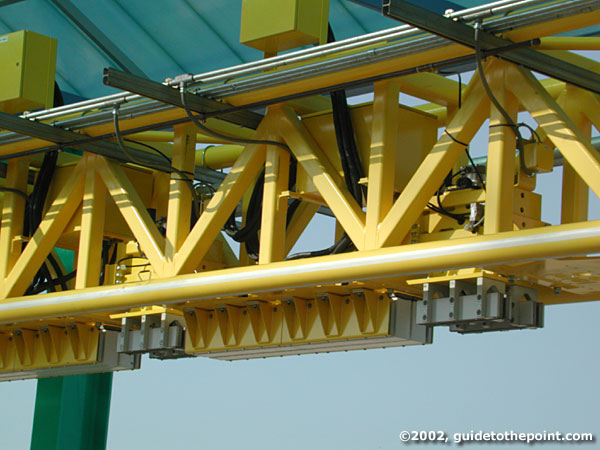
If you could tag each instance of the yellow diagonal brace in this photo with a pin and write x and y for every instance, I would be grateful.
(54, 222)
(560, 129)
(578, 104)
(209, 225)
(382, 157)
(436, 165)
(317, 166)
(134, 212)
(13, 212)
(301, 218)
(89, 256)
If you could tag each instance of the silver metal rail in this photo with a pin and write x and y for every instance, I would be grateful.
(133, 105)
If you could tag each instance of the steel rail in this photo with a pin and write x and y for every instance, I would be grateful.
(287, 59)
(479, 251)
(151, 106)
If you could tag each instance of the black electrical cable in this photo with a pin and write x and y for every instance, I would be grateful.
(51, 284)
(43, 279)
(349, 158)
(509, 122)
(458, 74)
(236, 140)
(14, 191)
(184, 177)
(468, 156)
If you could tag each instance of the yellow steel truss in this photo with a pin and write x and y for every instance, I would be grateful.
(332, 298)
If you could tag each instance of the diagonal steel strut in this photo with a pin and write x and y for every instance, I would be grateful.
(462, 33)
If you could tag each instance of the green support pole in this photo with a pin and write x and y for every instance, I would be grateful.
(72, 412)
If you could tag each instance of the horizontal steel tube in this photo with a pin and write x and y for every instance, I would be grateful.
(514, 246)
(148, 107)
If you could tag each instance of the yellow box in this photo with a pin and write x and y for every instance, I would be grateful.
(539, 156)
(27, 77)
(277, 25)
(417, 133)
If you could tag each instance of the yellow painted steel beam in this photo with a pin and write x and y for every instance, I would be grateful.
(326, 318)
(382, 158)
(423, 258)
(569, 43)
(300, 220)
(575, 192)
(47, 347)
(169, 136)
(453, 50)
(179, 211)
(428, 177)
(219, 208)
(324, 176)
(43, 240)
(564, 134)
(501, 156)
(218, 156)
(274, 211)
(89, 256)
(134, 212)
(13, 213)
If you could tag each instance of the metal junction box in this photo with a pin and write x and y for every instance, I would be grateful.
(28, 62)
(276, 25)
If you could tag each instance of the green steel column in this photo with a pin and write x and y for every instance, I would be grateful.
(72, 412)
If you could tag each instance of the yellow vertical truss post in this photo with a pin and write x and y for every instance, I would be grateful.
(220, 206)
(382, 158)
(501, 156)
(13, 214)
(300, 220)
(327, 181)
(89, 256)
(560, 129)
(180, 195)
(436, 165)
(575, 193)
(43, 240)
(274, 212)
(134, 212)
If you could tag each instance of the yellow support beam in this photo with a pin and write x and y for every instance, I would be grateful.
(564, 134)
(219, 208)
(428, 177)
(43, 240)
(501, 156)
(179, 211)
(274, 212)
(13, 213)
(382, 158)
(575, 192)
(381, 264)
(324, 177)
(134, 212)
(89, 256)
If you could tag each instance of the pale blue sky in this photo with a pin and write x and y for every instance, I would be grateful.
(526, 381)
